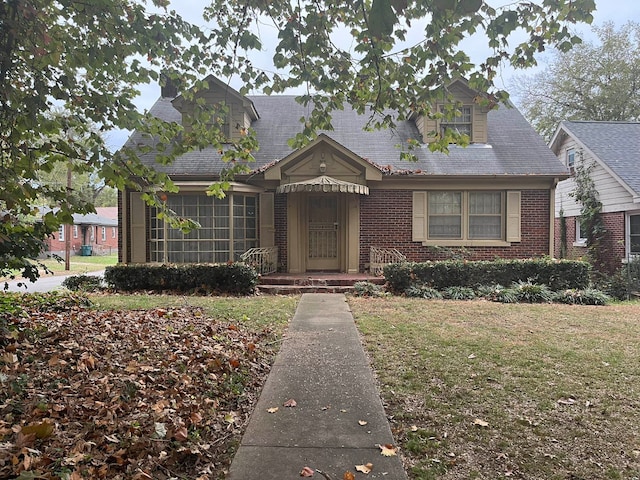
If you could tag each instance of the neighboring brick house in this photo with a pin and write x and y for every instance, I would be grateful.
(325, 205)
(97, 232)
(614, 150)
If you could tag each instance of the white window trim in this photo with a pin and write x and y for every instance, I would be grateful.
(61, 229)
(627, 239)
(75, 231)
(579, 241)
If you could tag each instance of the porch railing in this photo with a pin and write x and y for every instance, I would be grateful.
(263, 259)
(379, 257)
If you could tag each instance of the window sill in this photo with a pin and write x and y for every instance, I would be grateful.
(580, 244)
(466, 243)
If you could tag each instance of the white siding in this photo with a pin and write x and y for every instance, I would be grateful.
(614, 197)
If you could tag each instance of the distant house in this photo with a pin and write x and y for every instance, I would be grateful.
(329, 205)
(91, 234)
(614, 150)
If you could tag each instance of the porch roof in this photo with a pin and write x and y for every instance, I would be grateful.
(325, 184)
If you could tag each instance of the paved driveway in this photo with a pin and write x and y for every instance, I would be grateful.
(45, 283)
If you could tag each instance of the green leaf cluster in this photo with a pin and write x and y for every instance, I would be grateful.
(70, 72)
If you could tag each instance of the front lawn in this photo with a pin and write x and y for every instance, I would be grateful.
(479, 390)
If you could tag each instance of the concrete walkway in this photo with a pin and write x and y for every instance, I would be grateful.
(321, 366)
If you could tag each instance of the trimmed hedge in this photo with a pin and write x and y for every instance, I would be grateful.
(232, 278)
(555, 274)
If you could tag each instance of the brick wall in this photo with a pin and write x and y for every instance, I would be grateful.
(612, 247)
(386, 222)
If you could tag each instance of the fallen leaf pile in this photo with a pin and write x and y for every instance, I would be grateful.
(137, 395)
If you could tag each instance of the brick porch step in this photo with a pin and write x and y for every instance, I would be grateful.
(290, 284)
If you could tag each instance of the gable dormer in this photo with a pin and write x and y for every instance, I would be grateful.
(461, 109)
(236, 112)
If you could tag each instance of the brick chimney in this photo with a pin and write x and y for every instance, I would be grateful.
(168, 87)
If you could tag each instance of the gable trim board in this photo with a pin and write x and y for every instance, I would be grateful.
(360, 172)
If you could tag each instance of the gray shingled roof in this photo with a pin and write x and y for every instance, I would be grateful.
(616, 144)
(514, 148)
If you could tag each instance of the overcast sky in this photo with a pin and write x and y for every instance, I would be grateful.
(617, 11)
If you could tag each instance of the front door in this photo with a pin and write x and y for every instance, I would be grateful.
(323, 233)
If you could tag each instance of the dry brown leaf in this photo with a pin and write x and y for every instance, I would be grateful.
(480, 423)
(306, 472)
(348, 476)
(272, 409)
(388, 450)
(290, 403)
(40, 430)
(181, 434)
(414, 428)
(364, 468)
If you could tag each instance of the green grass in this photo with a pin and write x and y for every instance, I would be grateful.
(557, 385)
(267, 311)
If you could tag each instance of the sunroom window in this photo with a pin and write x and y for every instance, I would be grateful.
(228, 227)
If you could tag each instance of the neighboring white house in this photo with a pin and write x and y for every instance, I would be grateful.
(614, 150)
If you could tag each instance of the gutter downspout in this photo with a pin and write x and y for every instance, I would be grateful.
(552, 226)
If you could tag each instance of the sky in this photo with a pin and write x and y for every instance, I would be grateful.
(617, 11)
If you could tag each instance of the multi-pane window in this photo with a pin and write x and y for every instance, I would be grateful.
(445, 214)
(460, 123)
(634, 234)
(61, 233)
(104, 234)
(485, 215)
(465, 215)
(75, 231)
(227, 229)
(113, 232)
(571, 158)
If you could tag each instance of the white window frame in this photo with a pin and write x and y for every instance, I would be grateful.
(629, 252)
(114, 232)
(75, 231)
(104, 234)
(580, 240)
(61, 229)
(571, 159)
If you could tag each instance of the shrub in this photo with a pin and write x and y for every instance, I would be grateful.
(367, 289)
(232, 278)
(588, 296)
(501, 294)
(423, 291)
(532, 292)
(459, 293)
(556, 275)
(86, 283)
(623, 283)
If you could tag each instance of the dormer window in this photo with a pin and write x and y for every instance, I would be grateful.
(461, 123)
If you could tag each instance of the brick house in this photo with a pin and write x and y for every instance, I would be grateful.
(324, 206)
(614, 150)
(99, 231)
